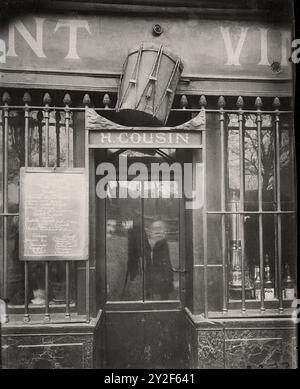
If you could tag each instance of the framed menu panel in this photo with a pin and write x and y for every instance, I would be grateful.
(53, 214)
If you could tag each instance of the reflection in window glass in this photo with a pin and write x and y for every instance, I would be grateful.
(142, 236)
(286, 165)
(251, 161)
(123, 244)
(161, 216)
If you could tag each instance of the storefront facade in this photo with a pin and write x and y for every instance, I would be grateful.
(204, 279)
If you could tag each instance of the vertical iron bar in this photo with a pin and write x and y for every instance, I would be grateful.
(57, 130)
(68, 316)
(26, 99)
(276, 278)
(67, 126)
(47, 316)
(275, 220)
(279, 262)
(240, 104)
(6, 100)
(258, 104)
(143, 237)
(203, 103)
(47, 100)
(276, 105)
(26, 293)
(26, 118)
(86, 101)
(40, 117)
(221, 104)
(47, 137)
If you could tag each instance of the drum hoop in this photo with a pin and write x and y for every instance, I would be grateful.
(153, 47)
(172, 77)
(134, 75)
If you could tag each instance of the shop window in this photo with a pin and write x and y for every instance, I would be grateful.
(251, 218)
(43, 131)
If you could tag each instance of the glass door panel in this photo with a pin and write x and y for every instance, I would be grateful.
(142, 241)
(161, 247)
(124, 279)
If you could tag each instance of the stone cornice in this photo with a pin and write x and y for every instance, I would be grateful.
(231, 9)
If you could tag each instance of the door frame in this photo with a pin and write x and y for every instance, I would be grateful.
(189, 136)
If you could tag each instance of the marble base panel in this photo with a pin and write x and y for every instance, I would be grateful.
(50, 346)
(241, 343)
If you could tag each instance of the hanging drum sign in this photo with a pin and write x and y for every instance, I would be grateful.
(147, 86)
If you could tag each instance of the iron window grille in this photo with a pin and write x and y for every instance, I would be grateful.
(42, 135)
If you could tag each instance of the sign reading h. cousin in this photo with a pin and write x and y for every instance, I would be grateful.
(92, 46)
(147, 139)
(103, 133)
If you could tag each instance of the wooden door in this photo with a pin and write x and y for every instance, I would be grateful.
(142, 257)
(145, 339)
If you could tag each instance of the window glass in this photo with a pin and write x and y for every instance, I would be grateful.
(286, 164)
(142, 241)
(271, 271)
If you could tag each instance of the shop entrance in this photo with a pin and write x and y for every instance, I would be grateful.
(140, 246)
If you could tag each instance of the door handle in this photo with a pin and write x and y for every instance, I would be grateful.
(179, 270)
